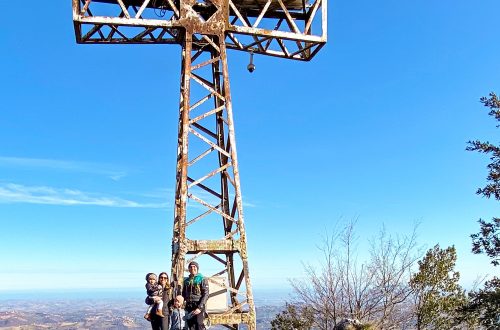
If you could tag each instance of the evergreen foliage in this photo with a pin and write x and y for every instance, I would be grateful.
(484, 305)
(488, 239)
(293, 317)
(438, 296)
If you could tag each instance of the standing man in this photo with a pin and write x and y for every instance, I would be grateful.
(195, 293)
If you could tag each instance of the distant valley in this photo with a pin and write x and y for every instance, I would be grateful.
(82, 313)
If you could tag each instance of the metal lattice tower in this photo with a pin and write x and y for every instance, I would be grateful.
(208, 220)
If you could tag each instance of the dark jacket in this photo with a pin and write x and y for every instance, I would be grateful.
(153, 290)
(195, 292)
(157, 322)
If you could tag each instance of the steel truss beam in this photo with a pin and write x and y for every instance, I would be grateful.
(208, 182)
(267, 27)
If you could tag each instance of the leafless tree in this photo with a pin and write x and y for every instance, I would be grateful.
(374, 291)
(391, 262)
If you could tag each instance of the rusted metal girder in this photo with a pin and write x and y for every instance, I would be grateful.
(208, 181)
(293, 29)
(208, 221)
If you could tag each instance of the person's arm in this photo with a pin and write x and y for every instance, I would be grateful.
(150, 289)
(159, 291)
(168, 302)
(204, 294)
(184, 290)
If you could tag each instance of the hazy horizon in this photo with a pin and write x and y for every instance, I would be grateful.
(261, 296)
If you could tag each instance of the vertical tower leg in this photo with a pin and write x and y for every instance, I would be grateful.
(208, 223)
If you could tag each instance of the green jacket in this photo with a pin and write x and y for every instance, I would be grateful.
(195, 290)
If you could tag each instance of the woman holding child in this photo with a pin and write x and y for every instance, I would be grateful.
(159, 322)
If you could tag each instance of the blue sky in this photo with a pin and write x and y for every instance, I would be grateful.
(374, 128)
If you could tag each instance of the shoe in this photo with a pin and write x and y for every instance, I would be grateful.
(147, 317)
(160, 313)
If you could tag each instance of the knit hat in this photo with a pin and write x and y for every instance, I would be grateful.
(148, 275)
(195, 264)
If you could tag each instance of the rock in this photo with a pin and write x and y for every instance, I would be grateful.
(348, 324)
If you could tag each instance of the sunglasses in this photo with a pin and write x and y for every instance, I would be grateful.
(163, 277)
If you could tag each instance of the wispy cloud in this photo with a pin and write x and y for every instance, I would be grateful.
(16, 193)
(247, 204)
(54, 164)
(158, 193)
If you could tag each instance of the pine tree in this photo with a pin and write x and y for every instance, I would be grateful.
(484, 304)
(293, 317)
(488, 239)
(437, 293)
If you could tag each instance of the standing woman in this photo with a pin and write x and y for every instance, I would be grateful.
(158, 322)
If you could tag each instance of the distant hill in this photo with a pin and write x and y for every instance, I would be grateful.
(84, 313)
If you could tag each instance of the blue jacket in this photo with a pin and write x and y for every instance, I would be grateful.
(177, 316)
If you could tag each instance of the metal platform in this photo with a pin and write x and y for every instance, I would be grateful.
(244, 4)
(293, 29)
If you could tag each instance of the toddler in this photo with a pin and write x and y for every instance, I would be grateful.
(155, 296)
(177, 315)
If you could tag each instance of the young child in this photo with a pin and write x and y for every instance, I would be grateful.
(155, 296)
(177, 315)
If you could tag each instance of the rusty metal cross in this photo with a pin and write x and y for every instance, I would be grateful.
(208, 219)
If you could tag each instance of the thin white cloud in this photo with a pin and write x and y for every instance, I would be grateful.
(247, 204)
(16, 193)
(159, 193)
(73, 166)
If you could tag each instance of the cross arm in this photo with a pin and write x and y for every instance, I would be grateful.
(293, 29)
